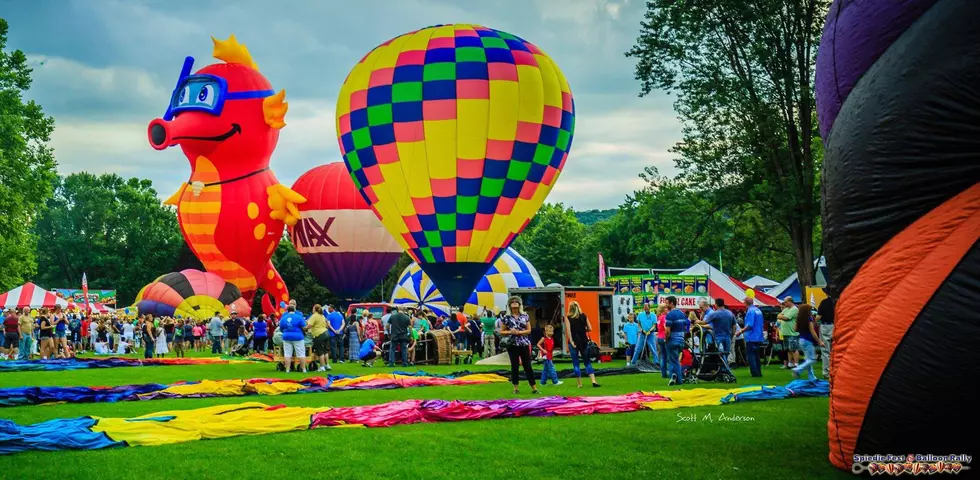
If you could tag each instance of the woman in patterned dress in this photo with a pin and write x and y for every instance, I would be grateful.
(516, 326)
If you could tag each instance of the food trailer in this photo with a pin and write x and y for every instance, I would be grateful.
(548, 306)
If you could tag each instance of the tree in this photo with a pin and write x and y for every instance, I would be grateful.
(114, 230)
(743, 74)
(553, 243)
(27, 166)
(307, 290)
(668, 224)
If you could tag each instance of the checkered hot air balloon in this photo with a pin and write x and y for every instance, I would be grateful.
(455, 134)
(511, 270)
(191, 294)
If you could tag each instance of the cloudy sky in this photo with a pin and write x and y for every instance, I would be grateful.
(105, 68)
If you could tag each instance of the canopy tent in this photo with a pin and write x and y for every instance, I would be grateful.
(94, 307)
(791, 286)
(728, 288)
(99, 308)
(761, 283)
(29, 295)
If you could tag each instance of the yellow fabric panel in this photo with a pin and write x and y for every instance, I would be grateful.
(418, 40)
(696, 397)
(504, 99)
(398, 192)
(472, 116)
(274, 388)
(497, 283)
(562, 82)
(359, 77)
(440, 148)
(251, 418)
(485, 378)
(530, 106)
(220, 387)
(387, 56)
(445, 31)
(413, 166)
(550, 82)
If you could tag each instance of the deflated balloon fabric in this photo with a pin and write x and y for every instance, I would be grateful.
(220, 421)
(58, 434)
(59, 364)
(253, 418)
(229, 388)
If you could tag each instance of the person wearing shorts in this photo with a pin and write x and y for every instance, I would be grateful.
(292, 325)
(11, 335)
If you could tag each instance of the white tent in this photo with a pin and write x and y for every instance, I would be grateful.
(761, 283)
(723, 286)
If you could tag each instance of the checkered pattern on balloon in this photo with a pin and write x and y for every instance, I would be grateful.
(455, 135)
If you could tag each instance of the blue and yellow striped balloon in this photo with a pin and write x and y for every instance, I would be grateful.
(455, 134)
(511, 270)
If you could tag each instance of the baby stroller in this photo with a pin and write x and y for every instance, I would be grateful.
(241, 349)
(712, 364)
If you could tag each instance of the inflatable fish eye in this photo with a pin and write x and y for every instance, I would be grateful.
(204, 93)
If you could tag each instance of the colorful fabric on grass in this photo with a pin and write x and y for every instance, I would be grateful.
(59, 364)
(254, 418)
(10, 397)
(58, 434)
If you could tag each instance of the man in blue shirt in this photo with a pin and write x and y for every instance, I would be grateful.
(677, 326)
(632, 332)
(647, 339)
(722, 323)
(292, 326)
(368, 353)
(336, 330)
(754, 336)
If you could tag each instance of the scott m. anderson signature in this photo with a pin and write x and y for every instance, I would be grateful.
(711, 417)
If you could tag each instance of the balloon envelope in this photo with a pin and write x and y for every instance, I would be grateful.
(511, 270)
(455, 134)
(193, 294)
(338, 236)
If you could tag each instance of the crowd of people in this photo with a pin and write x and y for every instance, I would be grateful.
(796, 328)
(664, 337)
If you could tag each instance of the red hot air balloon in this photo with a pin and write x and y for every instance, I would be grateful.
(338, 236)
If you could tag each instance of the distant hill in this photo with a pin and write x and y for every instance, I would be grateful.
(590, 217)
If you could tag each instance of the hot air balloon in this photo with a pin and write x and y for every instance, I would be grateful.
(511, 270)
(191, 294)
(454, 135)
(896, 90)
(338, 236)
(226, 119)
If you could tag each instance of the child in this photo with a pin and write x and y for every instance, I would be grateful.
(687, 360)
(178, 342)
(631, 330)
(161, 345)
(547, 346)
(198, 332)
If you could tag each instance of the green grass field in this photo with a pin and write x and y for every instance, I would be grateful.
(783, 439)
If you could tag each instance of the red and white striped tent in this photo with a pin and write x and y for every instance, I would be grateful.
(31, 296)
(99, 308)
(731, 289)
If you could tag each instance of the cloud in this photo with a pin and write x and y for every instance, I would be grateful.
(65, 86)
(103, 92)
